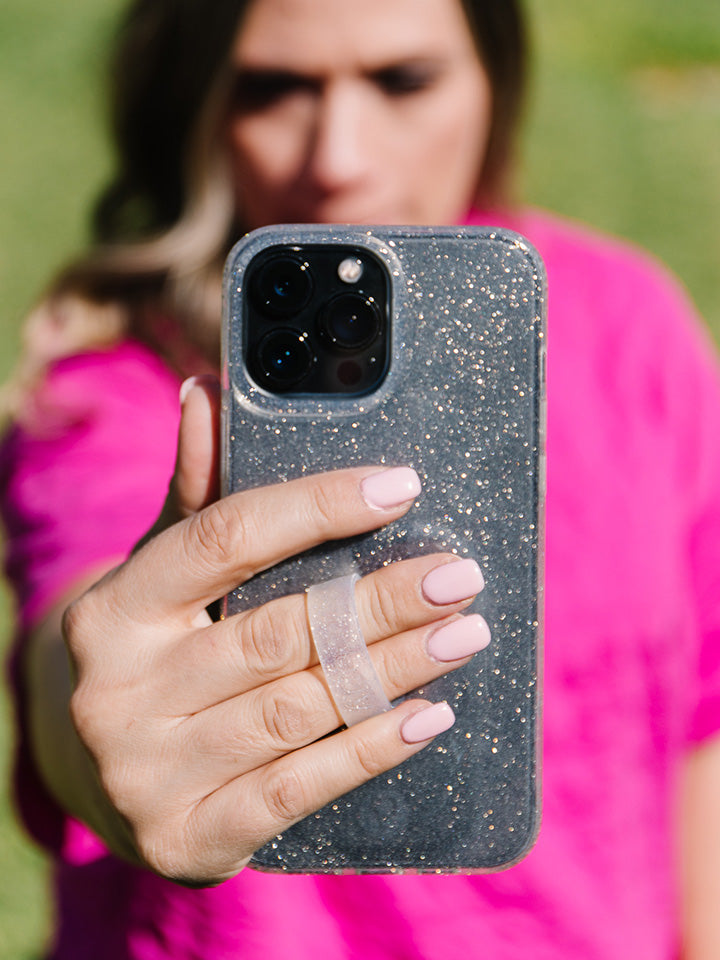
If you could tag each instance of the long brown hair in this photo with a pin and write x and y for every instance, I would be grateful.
(163, 225)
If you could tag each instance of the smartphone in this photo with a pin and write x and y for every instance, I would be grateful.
(347, 345)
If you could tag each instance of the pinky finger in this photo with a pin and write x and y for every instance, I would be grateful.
(248, 812)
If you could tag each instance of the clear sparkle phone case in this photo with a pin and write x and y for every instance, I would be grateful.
(463, 403)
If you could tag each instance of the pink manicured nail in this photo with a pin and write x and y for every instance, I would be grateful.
(459, 639)
(427, 723)
(391, 487)
(186, 386)
(452, 582)
(210, 383)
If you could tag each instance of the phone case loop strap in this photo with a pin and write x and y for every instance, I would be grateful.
(353, 681)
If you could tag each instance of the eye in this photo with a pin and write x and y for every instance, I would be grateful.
(407, 78)
(261, 89)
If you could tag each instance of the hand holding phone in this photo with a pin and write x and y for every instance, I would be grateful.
(207, 739)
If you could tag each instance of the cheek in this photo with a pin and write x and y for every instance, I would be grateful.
(266, 150)
(443, 169)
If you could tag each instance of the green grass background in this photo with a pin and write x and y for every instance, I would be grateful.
(623, 131)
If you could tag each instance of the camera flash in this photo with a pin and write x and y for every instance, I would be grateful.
(350, 270)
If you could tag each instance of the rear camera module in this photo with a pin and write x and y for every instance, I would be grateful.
(316, 319)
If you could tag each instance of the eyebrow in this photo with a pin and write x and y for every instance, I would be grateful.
(283, 74)
(272, 75)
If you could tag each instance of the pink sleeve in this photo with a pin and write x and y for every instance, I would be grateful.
(651, 338)
(86, 474)
(688, 396)
(703, 416)
(656, 341)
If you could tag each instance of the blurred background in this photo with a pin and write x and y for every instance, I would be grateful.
(623, 132)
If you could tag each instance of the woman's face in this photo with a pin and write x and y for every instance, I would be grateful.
(372, 111)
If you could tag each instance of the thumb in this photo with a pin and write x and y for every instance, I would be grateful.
(194, 483)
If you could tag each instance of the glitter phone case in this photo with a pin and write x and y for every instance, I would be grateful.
(463, 403)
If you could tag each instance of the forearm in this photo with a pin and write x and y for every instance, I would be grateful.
(700, 854)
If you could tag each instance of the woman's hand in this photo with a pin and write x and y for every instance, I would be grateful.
(206, 736)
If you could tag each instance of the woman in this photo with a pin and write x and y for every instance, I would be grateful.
(197, 742)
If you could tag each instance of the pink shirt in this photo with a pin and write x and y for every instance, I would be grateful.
(632, 673)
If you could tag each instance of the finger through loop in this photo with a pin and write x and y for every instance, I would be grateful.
(353, 681)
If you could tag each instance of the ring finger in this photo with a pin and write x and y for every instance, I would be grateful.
(250, 730)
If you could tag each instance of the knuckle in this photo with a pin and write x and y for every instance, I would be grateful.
(287, 720)
(182, 850)
(96, 715)
(284, 795)
(266, 641)
(102, 715)
(72, 620)
(383, 612)
(322, 506)
(164, 852)
(142, 789)
(83, 712)
(368, 758)
(121, 748)
(128, 792)
(166, 864)
(218, 537)
(393, 669)
(76, 621)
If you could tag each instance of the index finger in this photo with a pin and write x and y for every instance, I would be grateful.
(206, 556)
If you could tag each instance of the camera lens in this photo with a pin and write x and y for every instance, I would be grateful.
(284, 357)
(282, 286)
(351, 321)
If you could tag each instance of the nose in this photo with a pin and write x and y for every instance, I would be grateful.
(340, 147)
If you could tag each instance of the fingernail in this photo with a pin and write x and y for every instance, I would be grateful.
(459, 639)
(390, 488)
(185, 388)
(452, 582)
(427, 723)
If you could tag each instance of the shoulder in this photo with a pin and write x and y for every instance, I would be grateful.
(85, 469)
(586, 259)
(124, 381)
(603, 290)
(115, 409)
(604, 264)
(128, 370)
(623, 329)
(569, 241)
